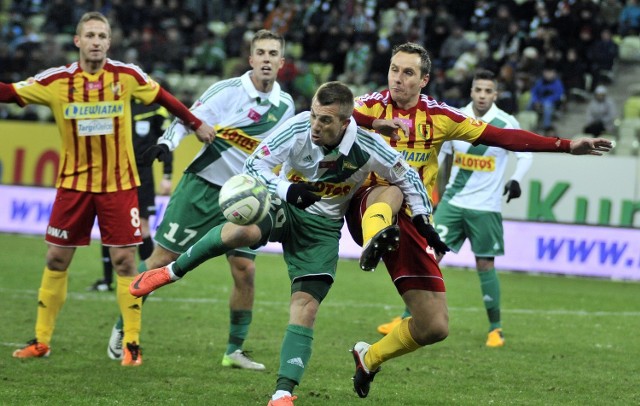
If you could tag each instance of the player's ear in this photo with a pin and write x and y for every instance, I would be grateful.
(425, 80)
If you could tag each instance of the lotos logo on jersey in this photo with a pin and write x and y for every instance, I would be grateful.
(475, 162)
(325, 188)
(77, 111)
(238, 138)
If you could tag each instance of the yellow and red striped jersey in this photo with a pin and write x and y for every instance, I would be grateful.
(430, 124)
(93, 114)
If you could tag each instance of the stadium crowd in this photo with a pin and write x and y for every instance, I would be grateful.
(345, 40)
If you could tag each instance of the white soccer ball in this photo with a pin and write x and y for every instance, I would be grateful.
(244, 200)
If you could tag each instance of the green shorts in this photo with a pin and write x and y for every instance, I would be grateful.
(192, 211)
(309, 242)
(482, 228)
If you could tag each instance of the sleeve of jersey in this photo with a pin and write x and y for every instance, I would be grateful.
(271, 152)
(521, 140)
(366, 111)
(9, 95)
(178, 109)
(174, 134)
(391, 165)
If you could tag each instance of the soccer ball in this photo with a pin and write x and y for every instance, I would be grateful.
(244, 200)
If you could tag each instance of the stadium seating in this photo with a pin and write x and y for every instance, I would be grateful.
(629, 50)
(628, 141)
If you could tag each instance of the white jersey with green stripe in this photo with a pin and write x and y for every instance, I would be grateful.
(242, 118)
(477, 175)
(337, 173)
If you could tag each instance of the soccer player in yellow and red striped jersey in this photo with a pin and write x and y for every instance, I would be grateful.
(418, 125)
(90, 100)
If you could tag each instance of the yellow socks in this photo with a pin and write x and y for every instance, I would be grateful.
(375, 218)
(398, 342)
(51, 297)
(130, 308)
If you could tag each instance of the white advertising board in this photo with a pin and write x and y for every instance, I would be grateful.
(597, 251)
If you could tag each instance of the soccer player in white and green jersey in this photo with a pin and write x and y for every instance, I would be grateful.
(472, 202)
(324, 158)
(243, 110)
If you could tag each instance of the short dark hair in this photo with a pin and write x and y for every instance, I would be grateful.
(336, 92)
(266, 34)
(413, 48)
(484, 74)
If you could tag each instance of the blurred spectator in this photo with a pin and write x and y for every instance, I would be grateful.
(482, 19)
(281, 16)
(547, 94)
(364, 27)
(610, 10)
(233, 41)
(453, 46)
(540, 19)
(209, 56)
(356, 66)
(395, 18)
(131, 15)
(149, 49)
(601, 113)
(508, 43)
(629, 21)
(397, 36)
(288, 73)
(58, 18)
(529, 66)
(439, 32)
(507, 99)
(455, 88)
(573, 74)
(166, 33)
(602, 55)
(422, 22)
(378, 69)
(473, 57)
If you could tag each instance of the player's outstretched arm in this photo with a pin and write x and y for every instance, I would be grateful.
(388, 128)
(589, 146)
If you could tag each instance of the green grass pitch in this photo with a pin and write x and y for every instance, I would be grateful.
(570, 341)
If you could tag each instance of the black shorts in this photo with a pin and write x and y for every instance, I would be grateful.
(146, 192)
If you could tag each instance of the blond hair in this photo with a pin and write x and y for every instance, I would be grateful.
(92, 15)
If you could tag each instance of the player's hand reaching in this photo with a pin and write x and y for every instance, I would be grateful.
(390, 128)
(206, 133)
(589, 146)
(421, 222)
(158, 151)
(301, 195)
(512, 187)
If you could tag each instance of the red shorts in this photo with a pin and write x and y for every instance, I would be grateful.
(411, 266)
(74, 213)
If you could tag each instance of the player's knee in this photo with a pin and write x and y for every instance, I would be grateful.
(55, 263)
(240, 236)
(244, 274)
(432, 332)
